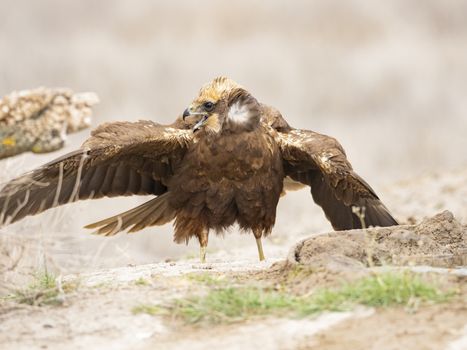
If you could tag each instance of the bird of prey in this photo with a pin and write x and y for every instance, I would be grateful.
(227, 160)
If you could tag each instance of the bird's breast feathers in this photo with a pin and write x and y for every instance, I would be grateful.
(235, 155)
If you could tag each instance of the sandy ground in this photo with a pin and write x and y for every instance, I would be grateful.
(390, 87)
(98, 313)
(437, 327)
(438, 241)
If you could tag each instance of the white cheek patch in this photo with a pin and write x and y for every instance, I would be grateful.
(239, 113)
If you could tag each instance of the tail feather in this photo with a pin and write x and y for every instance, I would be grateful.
(157, 211)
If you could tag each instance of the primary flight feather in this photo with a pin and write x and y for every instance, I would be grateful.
(227, 160)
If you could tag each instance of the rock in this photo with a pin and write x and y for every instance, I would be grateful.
(38, 120)
(438, 241)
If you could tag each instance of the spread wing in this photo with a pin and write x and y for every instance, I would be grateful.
(119, 159)
(320, 162)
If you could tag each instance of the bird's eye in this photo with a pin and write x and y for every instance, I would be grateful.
(208, 106)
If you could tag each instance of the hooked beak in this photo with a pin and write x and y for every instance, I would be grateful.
(188, 113)
(200, 123)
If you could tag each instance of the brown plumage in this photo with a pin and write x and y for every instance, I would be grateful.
(226, 161)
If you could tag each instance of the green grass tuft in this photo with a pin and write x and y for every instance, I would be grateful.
(392, 289)
(231, 304)
(381, 290)
(226, 305)
(206, 279)
(43, 290)
(152, 310)
(141, 282)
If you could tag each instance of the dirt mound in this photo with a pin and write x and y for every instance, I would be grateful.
(439, 241)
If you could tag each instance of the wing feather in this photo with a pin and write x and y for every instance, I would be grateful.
(119, 159)
(319, 161)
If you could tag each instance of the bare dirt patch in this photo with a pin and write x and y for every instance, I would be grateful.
(99, 312)
(439, 241)
(437, 244)
(391, 329)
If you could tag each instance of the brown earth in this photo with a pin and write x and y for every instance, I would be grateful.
(430, 328)
(98, 313)
(438, 241)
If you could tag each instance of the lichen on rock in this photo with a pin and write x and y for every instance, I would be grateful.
(38, 120)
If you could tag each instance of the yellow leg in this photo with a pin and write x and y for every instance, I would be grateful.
(260, 249)
(202, 254)
(203, 243)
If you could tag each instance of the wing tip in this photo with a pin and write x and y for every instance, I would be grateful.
(376, 215)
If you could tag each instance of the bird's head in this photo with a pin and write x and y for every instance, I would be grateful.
(223, 105)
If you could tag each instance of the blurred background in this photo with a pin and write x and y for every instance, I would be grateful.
(387, 79)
